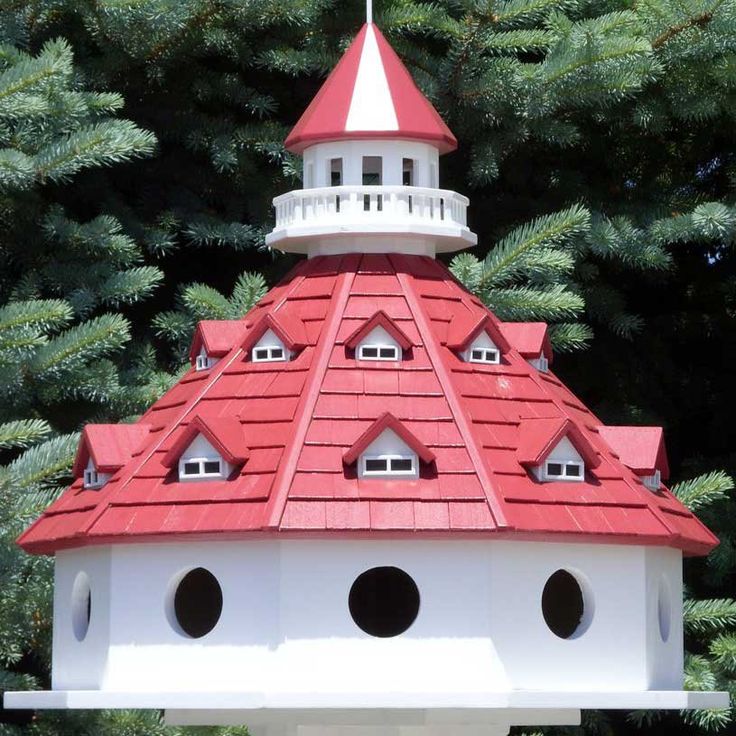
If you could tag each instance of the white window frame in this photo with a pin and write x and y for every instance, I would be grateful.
(396, 352)
(270, 354)
(201, 475)
(653, 482)
(388, 472)
(203, 362)
(92, 479)
(490, 356)
(564, 465)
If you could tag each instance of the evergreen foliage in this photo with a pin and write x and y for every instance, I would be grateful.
(141, 144)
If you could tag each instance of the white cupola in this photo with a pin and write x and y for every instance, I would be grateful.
(371, 144)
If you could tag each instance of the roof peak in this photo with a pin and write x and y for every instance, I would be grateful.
(370, 94)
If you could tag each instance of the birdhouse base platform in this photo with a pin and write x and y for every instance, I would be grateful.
(363, 714)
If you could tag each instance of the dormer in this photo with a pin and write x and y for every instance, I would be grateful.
(641, 449)
(208, 448)
(213, 339)
(275, 338)
(476, 338)
(379, 338)
(92, 478)
(104, 449)
(482, 350)
(531, 340)
(555, 450)
(388, 450)
(270, 349)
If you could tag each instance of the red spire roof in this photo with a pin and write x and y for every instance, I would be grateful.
(298, 419)
(370, 94)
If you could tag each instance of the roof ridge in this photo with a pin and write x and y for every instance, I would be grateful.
(406, 278)
(217, 370)
(278, 498)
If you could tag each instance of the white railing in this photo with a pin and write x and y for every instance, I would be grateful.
(370, 205)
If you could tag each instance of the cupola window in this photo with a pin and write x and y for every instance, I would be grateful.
(335, 172)
(269, 349)
(482, 350)
(378, 345)
(407, 172)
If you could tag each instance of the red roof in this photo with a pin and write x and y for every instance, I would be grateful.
(109, 445)
(531, 339)
(217, 337)
(370, 94)
(299, 418)
(640, 448)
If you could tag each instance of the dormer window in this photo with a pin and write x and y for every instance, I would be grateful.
(378, 345)
(485, 355)
(379, 352)
(541, 363)
(266, 354)
(482, 350)
(555, 450)
(201, 461)
(379, 338)
(653, 482)
(389, 464)
(92, 478)
(269, 349)
(203, 361)
(388, 450)
(564, 471)
(201, 467)
(564, 463)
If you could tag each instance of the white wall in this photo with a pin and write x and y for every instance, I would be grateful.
(81, 664)
(425, 157)
(286, 627)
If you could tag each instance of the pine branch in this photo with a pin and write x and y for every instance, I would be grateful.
(23, 433)
(709, 616)
(704, 491)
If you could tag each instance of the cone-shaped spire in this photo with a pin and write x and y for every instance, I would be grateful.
(370, 94)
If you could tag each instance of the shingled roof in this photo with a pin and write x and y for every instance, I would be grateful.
(299, 419)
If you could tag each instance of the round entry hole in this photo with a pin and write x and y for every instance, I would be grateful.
(197, 603)
(81, 606)
(384, 601)
(564, 606)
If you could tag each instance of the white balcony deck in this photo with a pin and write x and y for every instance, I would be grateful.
(436, 216)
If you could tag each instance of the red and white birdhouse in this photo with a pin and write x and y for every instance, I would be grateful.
(369, 504)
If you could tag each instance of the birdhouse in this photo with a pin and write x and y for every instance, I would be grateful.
(370, 503)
